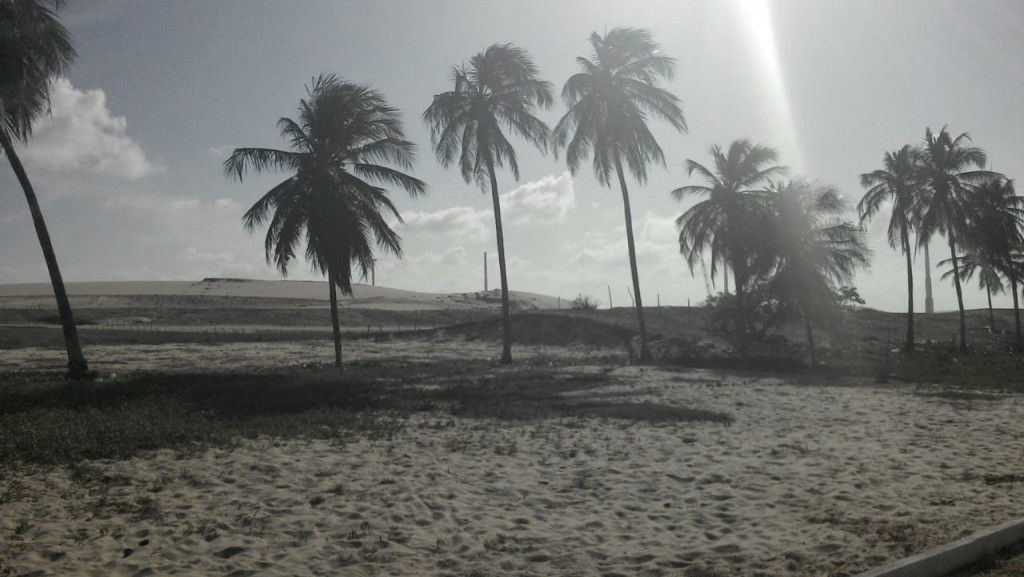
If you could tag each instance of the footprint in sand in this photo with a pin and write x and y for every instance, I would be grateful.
(229, 552)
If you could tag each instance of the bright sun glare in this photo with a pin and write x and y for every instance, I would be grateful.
(757, 19)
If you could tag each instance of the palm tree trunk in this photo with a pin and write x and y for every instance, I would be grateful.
(1016, 314)
(78, 368)
(506, 308)
(739, 275)
(959, 293)
(334, 317)
(908, 346)
(645, 353)
(991, 315)
(810, 335)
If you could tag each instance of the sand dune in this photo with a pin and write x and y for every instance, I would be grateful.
(362, 295)
(822, 480)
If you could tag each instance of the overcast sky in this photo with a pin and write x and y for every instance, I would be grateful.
(128, 167)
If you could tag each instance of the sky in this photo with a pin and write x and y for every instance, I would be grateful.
(128, 164)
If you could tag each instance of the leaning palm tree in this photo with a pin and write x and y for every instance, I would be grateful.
(499, 89)
(728, 222)
(609, 102)
(345, 147)
(817, 251)
(898, 185)
(949, 189)
(34, 48)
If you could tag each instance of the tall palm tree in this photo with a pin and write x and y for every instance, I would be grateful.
(499, 89)
(897, 184)
(993, 242)
(728, 222)
(345, 147)
(609, 103)
(816, 250)
(950, 186)
(35, 48)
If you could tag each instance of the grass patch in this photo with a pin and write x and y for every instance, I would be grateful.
(980, 370)
(43, 420)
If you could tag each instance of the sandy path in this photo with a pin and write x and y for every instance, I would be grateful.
(806, 481)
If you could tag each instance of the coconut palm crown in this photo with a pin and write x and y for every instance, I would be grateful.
(729, 223)
(897, 184)
(816, 249)
(346, 146)
(610, 102)
(497, 92)
(950, 186)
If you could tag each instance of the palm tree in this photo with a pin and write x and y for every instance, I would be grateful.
(977, 262)
(728, 222)
(817, 251)
(334, 200)
(34, 48)
(609, 102)
(946, 206)
(993, 241)
(1013, 269)
(499, 89)
(898, 184)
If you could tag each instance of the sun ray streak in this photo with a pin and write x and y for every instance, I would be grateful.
(756, 16)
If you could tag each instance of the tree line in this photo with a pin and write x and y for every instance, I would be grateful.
(785, 240)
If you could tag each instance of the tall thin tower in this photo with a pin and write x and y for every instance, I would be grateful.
(485, 272)
(929, 304)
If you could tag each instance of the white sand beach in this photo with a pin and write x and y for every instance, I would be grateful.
(806, 480)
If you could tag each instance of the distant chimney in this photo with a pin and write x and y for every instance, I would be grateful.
(929, 304)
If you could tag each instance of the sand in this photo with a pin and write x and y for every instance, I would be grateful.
(817, 479)
(363, 296)
(806, 480)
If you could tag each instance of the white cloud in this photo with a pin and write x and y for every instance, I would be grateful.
(208, 263)
(221, 152)
(457, 221)
(544, 201)
(82, 134)
(226, 206)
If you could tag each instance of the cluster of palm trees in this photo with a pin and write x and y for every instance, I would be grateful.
(348, 143)
(941, 187)
(782, 239)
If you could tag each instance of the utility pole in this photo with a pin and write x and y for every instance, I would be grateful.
(609, 296)
(485, 272)
(929, 304)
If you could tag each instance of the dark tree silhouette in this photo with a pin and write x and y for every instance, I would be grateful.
(344, 149)
(992, 244)
(728, 223)
(35, 48)
(949, 191)
(899, 185)
(498, 89)
(816, 250)
(609, 102)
